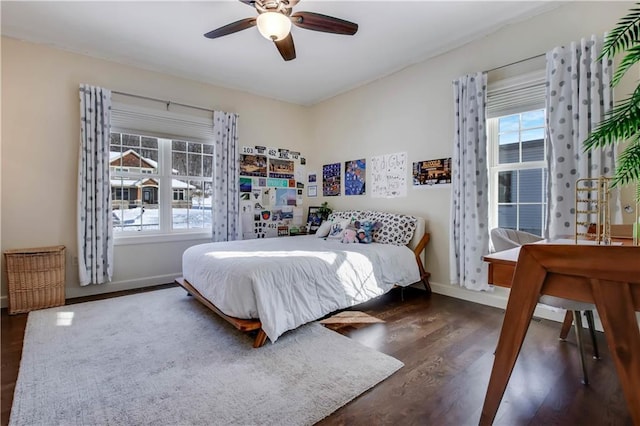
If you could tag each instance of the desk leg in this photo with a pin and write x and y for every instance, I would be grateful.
(615, 307)
(525, 291)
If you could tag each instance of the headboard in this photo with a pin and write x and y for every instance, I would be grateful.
(421, 229)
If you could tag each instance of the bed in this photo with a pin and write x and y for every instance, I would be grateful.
(277, 284)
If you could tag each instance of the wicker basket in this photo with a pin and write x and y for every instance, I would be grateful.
(35, 278)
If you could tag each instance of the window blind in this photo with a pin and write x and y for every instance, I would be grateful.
(515, 95)
(158, 123)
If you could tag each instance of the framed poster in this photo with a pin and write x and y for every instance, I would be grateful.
(314, 219)
(312, 191)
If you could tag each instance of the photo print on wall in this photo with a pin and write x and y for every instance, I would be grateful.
(282, 169)
(253, 165)
(331, 180)
(354, 177)
(432, 172)
(245, 184)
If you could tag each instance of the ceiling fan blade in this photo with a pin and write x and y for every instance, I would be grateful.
(231, 28)
(251, 3)
(328, 24)
(286, 48)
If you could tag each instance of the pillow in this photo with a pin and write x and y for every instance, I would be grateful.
(396, 228)
(323, 229)
(337, 229)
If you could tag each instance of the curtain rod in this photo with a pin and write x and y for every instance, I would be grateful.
(516, 62)
(167, 103)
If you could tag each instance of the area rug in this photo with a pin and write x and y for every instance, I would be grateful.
(162, 358)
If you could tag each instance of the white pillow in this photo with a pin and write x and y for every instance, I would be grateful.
(323, 229)
(337, 229)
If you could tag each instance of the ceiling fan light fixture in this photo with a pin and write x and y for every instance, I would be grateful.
(273, 26)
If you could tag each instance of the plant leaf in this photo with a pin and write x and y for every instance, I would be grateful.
(628, 167)
(623, 36)
(632, 57)
(623, 122)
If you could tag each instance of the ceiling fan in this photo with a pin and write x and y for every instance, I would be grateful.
(274, 23)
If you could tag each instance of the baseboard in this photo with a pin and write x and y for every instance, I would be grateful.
(91, 290)
(498, 299)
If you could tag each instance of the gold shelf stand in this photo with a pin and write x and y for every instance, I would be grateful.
(592, 213)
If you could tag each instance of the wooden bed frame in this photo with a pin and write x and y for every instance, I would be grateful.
(251, 325)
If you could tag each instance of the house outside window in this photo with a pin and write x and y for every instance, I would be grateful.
(163, 190)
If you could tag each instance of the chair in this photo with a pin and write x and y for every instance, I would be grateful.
(505, 239)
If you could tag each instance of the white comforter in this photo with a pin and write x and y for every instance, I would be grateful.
(289, 281)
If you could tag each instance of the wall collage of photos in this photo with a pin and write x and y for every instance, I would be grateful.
(273, 180)
(271, 191)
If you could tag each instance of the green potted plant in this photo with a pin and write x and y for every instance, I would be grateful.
(324, 210)
(623, 121)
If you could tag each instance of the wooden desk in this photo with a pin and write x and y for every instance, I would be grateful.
(608, 276)
(502, 265)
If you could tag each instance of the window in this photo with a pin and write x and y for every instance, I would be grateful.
(161, 170)
(517, 172)
(144, 169)
(517, 152)
(178, 194)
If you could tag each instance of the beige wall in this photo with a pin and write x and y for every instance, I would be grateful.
(408, 111)
(40, 140)
(412, 111)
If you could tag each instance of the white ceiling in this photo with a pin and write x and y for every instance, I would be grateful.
(167, 36)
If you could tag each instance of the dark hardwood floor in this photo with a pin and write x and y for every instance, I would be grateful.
(447, 347)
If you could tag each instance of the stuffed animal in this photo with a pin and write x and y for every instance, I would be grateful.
(349, 236)
(366, 230)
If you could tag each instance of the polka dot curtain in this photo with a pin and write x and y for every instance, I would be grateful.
(470, 184)
(95, 226)
(578, 94)
(225, 206)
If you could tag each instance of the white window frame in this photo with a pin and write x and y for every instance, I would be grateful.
(494, 171)
(166, 126)
(508, 97)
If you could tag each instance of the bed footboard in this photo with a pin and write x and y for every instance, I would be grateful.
(246, 325)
